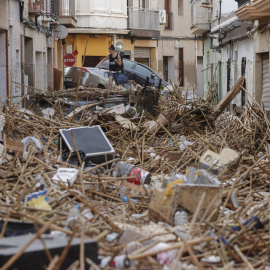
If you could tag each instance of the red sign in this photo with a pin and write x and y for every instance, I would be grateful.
(69, 60)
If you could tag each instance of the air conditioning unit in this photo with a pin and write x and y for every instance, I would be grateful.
(162, 16)
(205, 2)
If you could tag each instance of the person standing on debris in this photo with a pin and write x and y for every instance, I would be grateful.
(115, 64)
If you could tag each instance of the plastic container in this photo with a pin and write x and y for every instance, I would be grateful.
(73, 216)
(138, 175)
(180, 218)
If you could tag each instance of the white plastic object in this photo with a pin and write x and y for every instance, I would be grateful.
(28, 140)
(66, 175)
(180, 218)
(87, 214)
(184, 143)
(2, 124)
(73, 216)
(181, 232)
(122, 192)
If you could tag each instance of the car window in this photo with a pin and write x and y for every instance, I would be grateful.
(128, 64)
(147, 72)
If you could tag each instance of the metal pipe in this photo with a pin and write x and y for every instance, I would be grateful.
(219, 17)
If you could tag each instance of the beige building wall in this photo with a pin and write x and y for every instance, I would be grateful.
(4, 14)
(179, 37)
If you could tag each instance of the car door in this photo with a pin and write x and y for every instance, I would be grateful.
(129, 68)
(142, 73)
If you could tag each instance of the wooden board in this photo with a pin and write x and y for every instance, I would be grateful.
(226, 100)
(14, 146)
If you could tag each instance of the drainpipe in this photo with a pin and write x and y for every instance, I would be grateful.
(219, 17)
(7, 67)
(196, 51)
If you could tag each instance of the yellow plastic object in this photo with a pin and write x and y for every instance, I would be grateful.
(168, 190)
(39, 203)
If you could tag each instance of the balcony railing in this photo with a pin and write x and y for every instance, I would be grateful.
(143, 19)
(52, 9)
(67, 8)
(36, 6)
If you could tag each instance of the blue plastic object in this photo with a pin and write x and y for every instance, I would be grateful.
(258, 225)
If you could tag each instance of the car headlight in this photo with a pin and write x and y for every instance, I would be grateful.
(68, 79)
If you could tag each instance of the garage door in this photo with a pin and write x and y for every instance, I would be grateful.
(265, 81)
(142, 55)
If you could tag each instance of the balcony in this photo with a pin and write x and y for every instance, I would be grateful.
(256, 10)
(36, 7)
(200, 18)
(67, 13)
(51, 11)
(143, 22)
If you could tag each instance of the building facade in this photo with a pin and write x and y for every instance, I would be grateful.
(166, 46)
(258, 12)
(180, 54)
(234, 45)
(132, 24)
(28, 54)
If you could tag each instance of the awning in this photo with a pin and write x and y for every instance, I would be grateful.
(228, 25)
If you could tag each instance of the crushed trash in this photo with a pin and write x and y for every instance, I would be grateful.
(111, 181)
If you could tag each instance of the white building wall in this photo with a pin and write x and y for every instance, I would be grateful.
(101, 14)
(236, 51)
(15, 49)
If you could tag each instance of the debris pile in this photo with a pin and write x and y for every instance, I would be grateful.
(178, 190)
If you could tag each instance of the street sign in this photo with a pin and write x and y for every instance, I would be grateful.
(119, 46)
(69, 60)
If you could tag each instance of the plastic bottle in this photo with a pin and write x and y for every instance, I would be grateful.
(73, 216)
(180, 218)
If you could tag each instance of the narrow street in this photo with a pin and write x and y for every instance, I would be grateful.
(134, 134)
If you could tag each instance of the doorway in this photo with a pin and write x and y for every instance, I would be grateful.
(3, 65)
(165, 68)
(200, 82)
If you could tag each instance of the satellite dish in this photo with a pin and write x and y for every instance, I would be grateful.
(60, 32)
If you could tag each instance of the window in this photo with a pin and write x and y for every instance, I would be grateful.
(141, 69)
(180, 7)
(167, 8)
(100, 4)
(142, 4)
(228, 75)
(181, 67)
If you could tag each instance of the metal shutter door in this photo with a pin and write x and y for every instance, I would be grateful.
(265, 81)
(142, 52)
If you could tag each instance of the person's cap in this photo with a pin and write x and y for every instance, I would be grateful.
(112, 48)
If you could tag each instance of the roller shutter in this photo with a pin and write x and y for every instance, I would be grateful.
(142, 52)
(265, 81)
